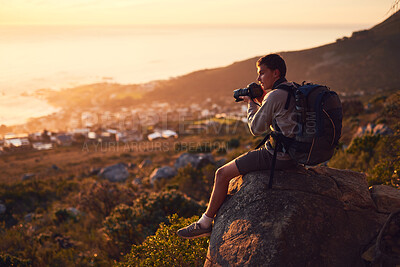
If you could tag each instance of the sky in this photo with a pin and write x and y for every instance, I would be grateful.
(194, 12)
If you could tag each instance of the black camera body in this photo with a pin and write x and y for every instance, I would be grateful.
(252, 90)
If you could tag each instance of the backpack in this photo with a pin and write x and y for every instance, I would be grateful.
(318, 115)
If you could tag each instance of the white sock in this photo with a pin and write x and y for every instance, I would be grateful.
(205, 221)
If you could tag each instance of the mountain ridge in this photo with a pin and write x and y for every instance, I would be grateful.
(366, 62)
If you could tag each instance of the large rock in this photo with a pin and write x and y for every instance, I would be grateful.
(114, 173)
(74, 212)
(373, 129)
(28, 176)
(386, 198)
(314, 217)
(165, 172)
(197, 160)
(3, 208)
(145, 163)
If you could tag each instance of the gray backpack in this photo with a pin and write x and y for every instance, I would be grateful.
(319, 123)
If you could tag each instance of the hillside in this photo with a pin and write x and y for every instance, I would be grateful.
(367, 61)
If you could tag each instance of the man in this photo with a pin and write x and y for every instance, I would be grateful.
(275, 113)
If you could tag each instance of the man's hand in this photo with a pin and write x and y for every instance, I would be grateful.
(246, 99)
(260, 99)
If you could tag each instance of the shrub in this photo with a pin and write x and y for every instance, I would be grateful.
(366, 143)
(8, 260)
(386, 172)
(233, 143)
(195, 183)
(165, 248)
(378, 156)
(352, 108)
(26, 196)
(100, 198)
(132, 224)
(391, 110)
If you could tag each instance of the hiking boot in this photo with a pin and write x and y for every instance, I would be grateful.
(194, 231)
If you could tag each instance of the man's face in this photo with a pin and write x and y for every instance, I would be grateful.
(267, 77)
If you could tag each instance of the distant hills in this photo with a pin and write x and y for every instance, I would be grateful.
(367, 62)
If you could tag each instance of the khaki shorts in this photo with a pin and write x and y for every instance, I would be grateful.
(260, 159)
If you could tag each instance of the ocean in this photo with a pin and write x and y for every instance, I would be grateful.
(57, 57)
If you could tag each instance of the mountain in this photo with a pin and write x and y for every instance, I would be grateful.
(368, 61)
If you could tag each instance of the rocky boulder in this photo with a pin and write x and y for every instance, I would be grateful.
(114, 173)
(94, 171)
(386, 198)
(137, 182)
(197, 160)
(28, 176)
(311, 217)
(3, 208)
(373, 129)
(145, 163)
(74, 212)
(165, 172)
(29, 217)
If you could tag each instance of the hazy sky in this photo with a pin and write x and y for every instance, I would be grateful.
(242, 12)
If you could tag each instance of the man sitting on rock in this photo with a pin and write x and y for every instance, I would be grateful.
(271, 115)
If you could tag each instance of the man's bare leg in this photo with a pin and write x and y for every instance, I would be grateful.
(221, 183)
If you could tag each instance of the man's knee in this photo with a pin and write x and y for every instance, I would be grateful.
(221, 175)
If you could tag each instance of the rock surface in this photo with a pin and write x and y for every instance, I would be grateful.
(114, 173)
(74, 212)
(197, 160)
(28, 176)
(3, 208)
(165, 172)
(386, 198)
(373, 129)
(145, 163)
(314, 217)
(94, 171)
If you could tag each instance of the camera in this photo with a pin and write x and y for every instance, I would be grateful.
(252, 90)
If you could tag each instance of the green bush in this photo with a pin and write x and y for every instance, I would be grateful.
(27, 196)
(165, 248)
(129, 225)
(195, 183)
(352, 108)
(386, 172)
(366, 143)
(359, 156)
(233, 143)
(378, 156)
(100, 197)
(8, 260)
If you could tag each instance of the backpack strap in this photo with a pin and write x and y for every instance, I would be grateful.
(318, 110)
(277, 146)
(290, 89)
(272, 171)
(279, 137)
(287, 101)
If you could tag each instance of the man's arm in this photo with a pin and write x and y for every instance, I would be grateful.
(259, 119)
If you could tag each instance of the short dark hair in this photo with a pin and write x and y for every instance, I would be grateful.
(273, 62)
